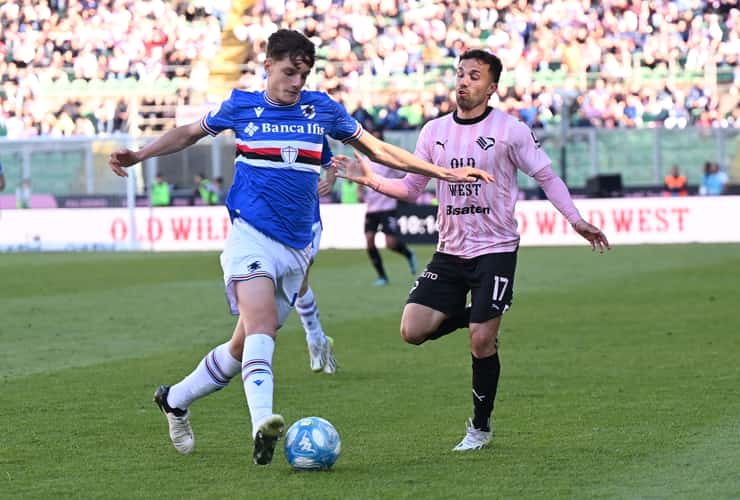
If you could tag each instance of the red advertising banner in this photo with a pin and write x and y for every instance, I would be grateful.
(625, 221)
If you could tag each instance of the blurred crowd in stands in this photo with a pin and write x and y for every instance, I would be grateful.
(613, 63)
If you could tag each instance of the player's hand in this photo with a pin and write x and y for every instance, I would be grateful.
(120, 160)
(468, 174)
(327, 183)
(324, 187)
(593, 234)
(357, 170)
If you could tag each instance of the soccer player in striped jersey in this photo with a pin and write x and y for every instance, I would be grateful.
(478, 238)
(320, 346)
(279, 133)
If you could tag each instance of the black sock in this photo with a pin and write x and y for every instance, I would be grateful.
(485, 381)
(402, 249)
(377, 261)
(452, 323)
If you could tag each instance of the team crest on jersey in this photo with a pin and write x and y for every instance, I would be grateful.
(250, 129)
(258, 111)
(289, 154)
(485, 143)
(309, 111)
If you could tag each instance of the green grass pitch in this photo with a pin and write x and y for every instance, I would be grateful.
(621, 379)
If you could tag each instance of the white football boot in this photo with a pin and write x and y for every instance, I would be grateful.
(321, 357)
(330, 365)
(181, 434)
(316, 357)
(474, 439)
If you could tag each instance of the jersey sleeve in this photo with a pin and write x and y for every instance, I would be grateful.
(423, 144)
(526, 152)
(326, 154)
(220, 119)
(417, 182)
(344, 128)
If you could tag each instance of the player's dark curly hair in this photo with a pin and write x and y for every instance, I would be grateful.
(494, 63)
(293, 44)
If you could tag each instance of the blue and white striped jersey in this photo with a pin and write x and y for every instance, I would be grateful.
(279, 153)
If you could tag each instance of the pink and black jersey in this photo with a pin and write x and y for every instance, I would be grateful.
(378, 202)
(478, 218)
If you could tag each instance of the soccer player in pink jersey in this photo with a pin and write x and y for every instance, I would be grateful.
(279, 133)
(381, 216)
(478, 238)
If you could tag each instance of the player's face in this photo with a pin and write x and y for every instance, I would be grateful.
(473, 86)
(285, 79)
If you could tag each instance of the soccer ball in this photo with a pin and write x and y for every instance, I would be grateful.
(312, 443)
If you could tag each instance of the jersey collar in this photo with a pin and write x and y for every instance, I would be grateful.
(275, 103)
(471, 121)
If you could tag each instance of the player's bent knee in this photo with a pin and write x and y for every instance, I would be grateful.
(482, 342)
(411, 336)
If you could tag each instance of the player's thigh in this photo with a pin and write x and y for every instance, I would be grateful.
(246, 256)
(418, 321)
(390, 223)
(440, 287)
(292, 269)
(316, 230)
(257, 305)
(289, 287)
(372, 222)
(491, 279)
(262, 277)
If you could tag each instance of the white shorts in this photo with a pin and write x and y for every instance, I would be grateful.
(250, 254)
(316, 230)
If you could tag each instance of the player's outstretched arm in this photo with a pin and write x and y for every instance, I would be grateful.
(558, 194)
(358, 170)
(400, 159)
(172, 141)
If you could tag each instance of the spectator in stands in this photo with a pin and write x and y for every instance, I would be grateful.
(202, 190)
(370, 45)
(348, 191)
(160, 192)
(675, 183)
(714, 181)
(23, 194)
(216, 191)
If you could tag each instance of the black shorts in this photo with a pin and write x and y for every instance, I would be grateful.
(446, 281)
(385, 221)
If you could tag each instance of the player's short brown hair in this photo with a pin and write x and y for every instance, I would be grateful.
(292, 44)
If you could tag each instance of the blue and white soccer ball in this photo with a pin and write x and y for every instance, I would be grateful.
(312, 443)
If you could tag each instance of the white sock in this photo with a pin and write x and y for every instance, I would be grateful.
(257, 376)
(213, 373)
(309, 314)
